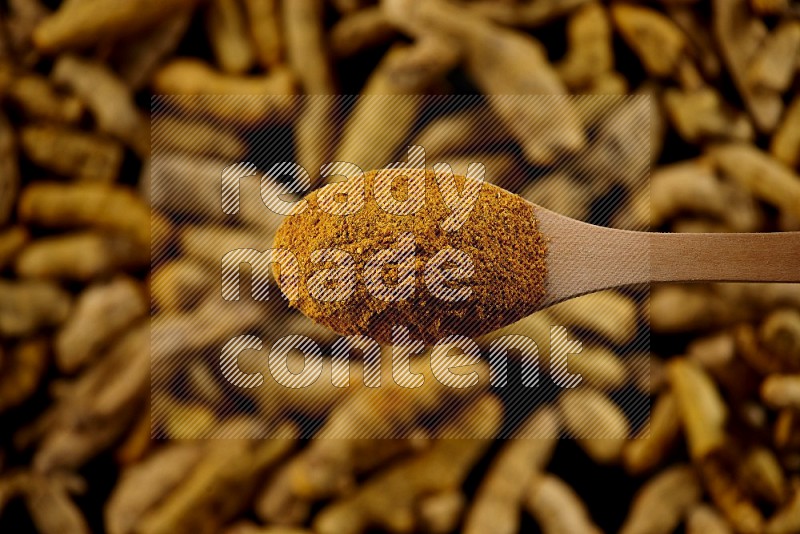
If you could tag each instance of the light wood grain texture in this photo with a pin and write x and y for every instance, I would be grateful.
(583, 258)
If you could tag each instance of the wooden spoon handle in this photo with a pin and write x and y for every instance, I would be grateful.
(770, 257)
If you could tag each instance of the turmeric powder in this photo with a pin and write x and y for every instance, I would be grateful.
(500, 237)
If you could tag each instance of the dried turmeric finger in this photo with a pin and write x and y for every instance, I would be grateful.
(226, 27)
(787, 519)
(561, 193)
(72, 153)
(193, 135)
(686, 186)
(278, 504)
(702, 410)
(12, 240)
(360, 30)
(203, 242)
(760, 298)
(404, 70)
(9, 169)
(739, 36)
(38, 99)
(491, 59)
(101, 313)
(557, 508)
(502, 169)
(80, 256)
(765, 177)
(77, 24)
(600, 368)
(22, 17)
(658, 42)
(785, 145)
(348, 6)
(717, 475)
(675, 308)
(264, 21)
(524, 13)
(21, 370)
(305, 45)
(701, 43)
(617, 151)
(194, 77)
(681, 308)
(390, 498)
(459, 132)
(769, 7)
(750, 350)
(692, 187)
(440, 513)
(328, 468)
(589, 53)
(773, 66)
(108, 98)
(180, 285)
(761, 475)
(655, 442)
(137, 441)
(617, 323)
(95, 410)
(599, 424)
(137, 59)
(713, 352)
(175, 189)
(107, 207)
(159, 473)
(215, 489)
(781, 391)
(314, 130)
(244, 527)
(785, 432)
(700, 114)
(27, 306)
(307, 55)
(704, 519)
(780, 335)
(608, 83)
(660, 505)
(50, 507)
(182, 420)
(499, 500)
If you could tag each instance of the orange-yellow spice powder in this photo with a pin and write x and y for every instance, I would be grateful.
(500, 236)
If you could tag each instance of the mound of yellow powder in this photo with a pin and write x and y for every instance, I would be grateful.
(500, 237)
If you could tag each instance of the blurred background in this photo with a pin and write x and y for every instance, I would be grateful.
(693, 126)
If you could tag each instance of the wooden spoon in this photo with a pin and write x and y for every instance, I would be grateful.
(584, 258)
(581, 258)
